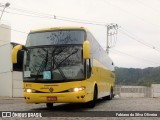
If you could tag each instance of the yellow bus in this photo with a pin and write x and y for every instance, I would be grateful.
(66, 65)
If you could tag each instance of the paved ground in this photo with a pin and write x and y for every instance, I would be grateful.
(117, 104)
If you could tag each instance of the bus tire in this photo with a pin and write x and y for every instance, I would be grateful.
(49, 105)
(91, 104)
(110, 96)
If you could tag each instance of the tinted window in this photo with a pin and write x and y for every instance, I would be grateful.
(56, 37)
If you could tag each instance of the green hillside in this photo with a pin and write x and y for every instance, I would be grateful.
(136, 76)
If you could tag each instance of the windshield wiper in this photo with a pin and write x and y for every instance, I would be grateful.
(66, 58)
(58, 65)
(55, 63)
(43, 64)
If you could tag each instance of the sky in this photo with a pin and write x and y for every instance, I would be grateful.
(136, 44)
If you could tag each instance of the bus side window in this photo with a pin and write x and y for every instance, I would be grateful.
(88, 67)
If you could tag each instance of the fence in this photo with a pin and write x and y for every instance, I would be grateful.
(133, 91)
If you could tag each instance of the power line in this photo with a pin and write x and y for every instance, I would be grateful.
(148, 6)
(54, 17)
(130, 35)
(68, 20)
(39, 15)
(28, 15)
(51, 16)
(43, 15)
(148, 45)
(135, 57)
(59, 17)
(131, 14)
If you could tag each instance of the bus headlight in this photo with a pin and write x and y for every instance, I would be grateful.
(29, 90)
(77, 89)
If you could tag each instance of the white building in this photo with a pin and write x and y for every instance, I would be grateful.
(11, 84)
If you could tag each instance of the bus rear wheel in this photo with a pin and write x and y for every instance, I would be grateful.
(110, 96)
(49, 105)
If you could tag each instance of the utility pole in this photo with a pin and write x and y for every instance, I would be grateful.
(110, 27)
(107, 46)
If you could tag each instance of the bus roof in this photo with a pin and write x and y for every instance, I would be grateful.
(60, 28)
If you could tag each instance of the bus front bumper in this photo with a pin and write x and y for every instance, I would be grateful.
(69, 97)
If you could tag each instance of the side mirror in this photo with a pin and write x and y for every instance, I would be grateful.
(15, 52)
(86, 49)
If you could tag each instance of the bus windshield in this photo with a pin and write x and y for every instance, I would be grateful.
(54, 63)
(56, 37)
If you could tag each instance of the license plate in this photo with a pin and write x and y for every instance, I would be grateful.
(52, 98)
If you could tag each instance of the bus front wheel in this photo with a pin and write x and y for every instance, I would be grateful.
(49, 105)
(91, 104)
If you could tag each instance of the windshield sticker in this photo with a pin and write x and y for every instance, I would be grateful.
(47, 75)
(27, 73)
